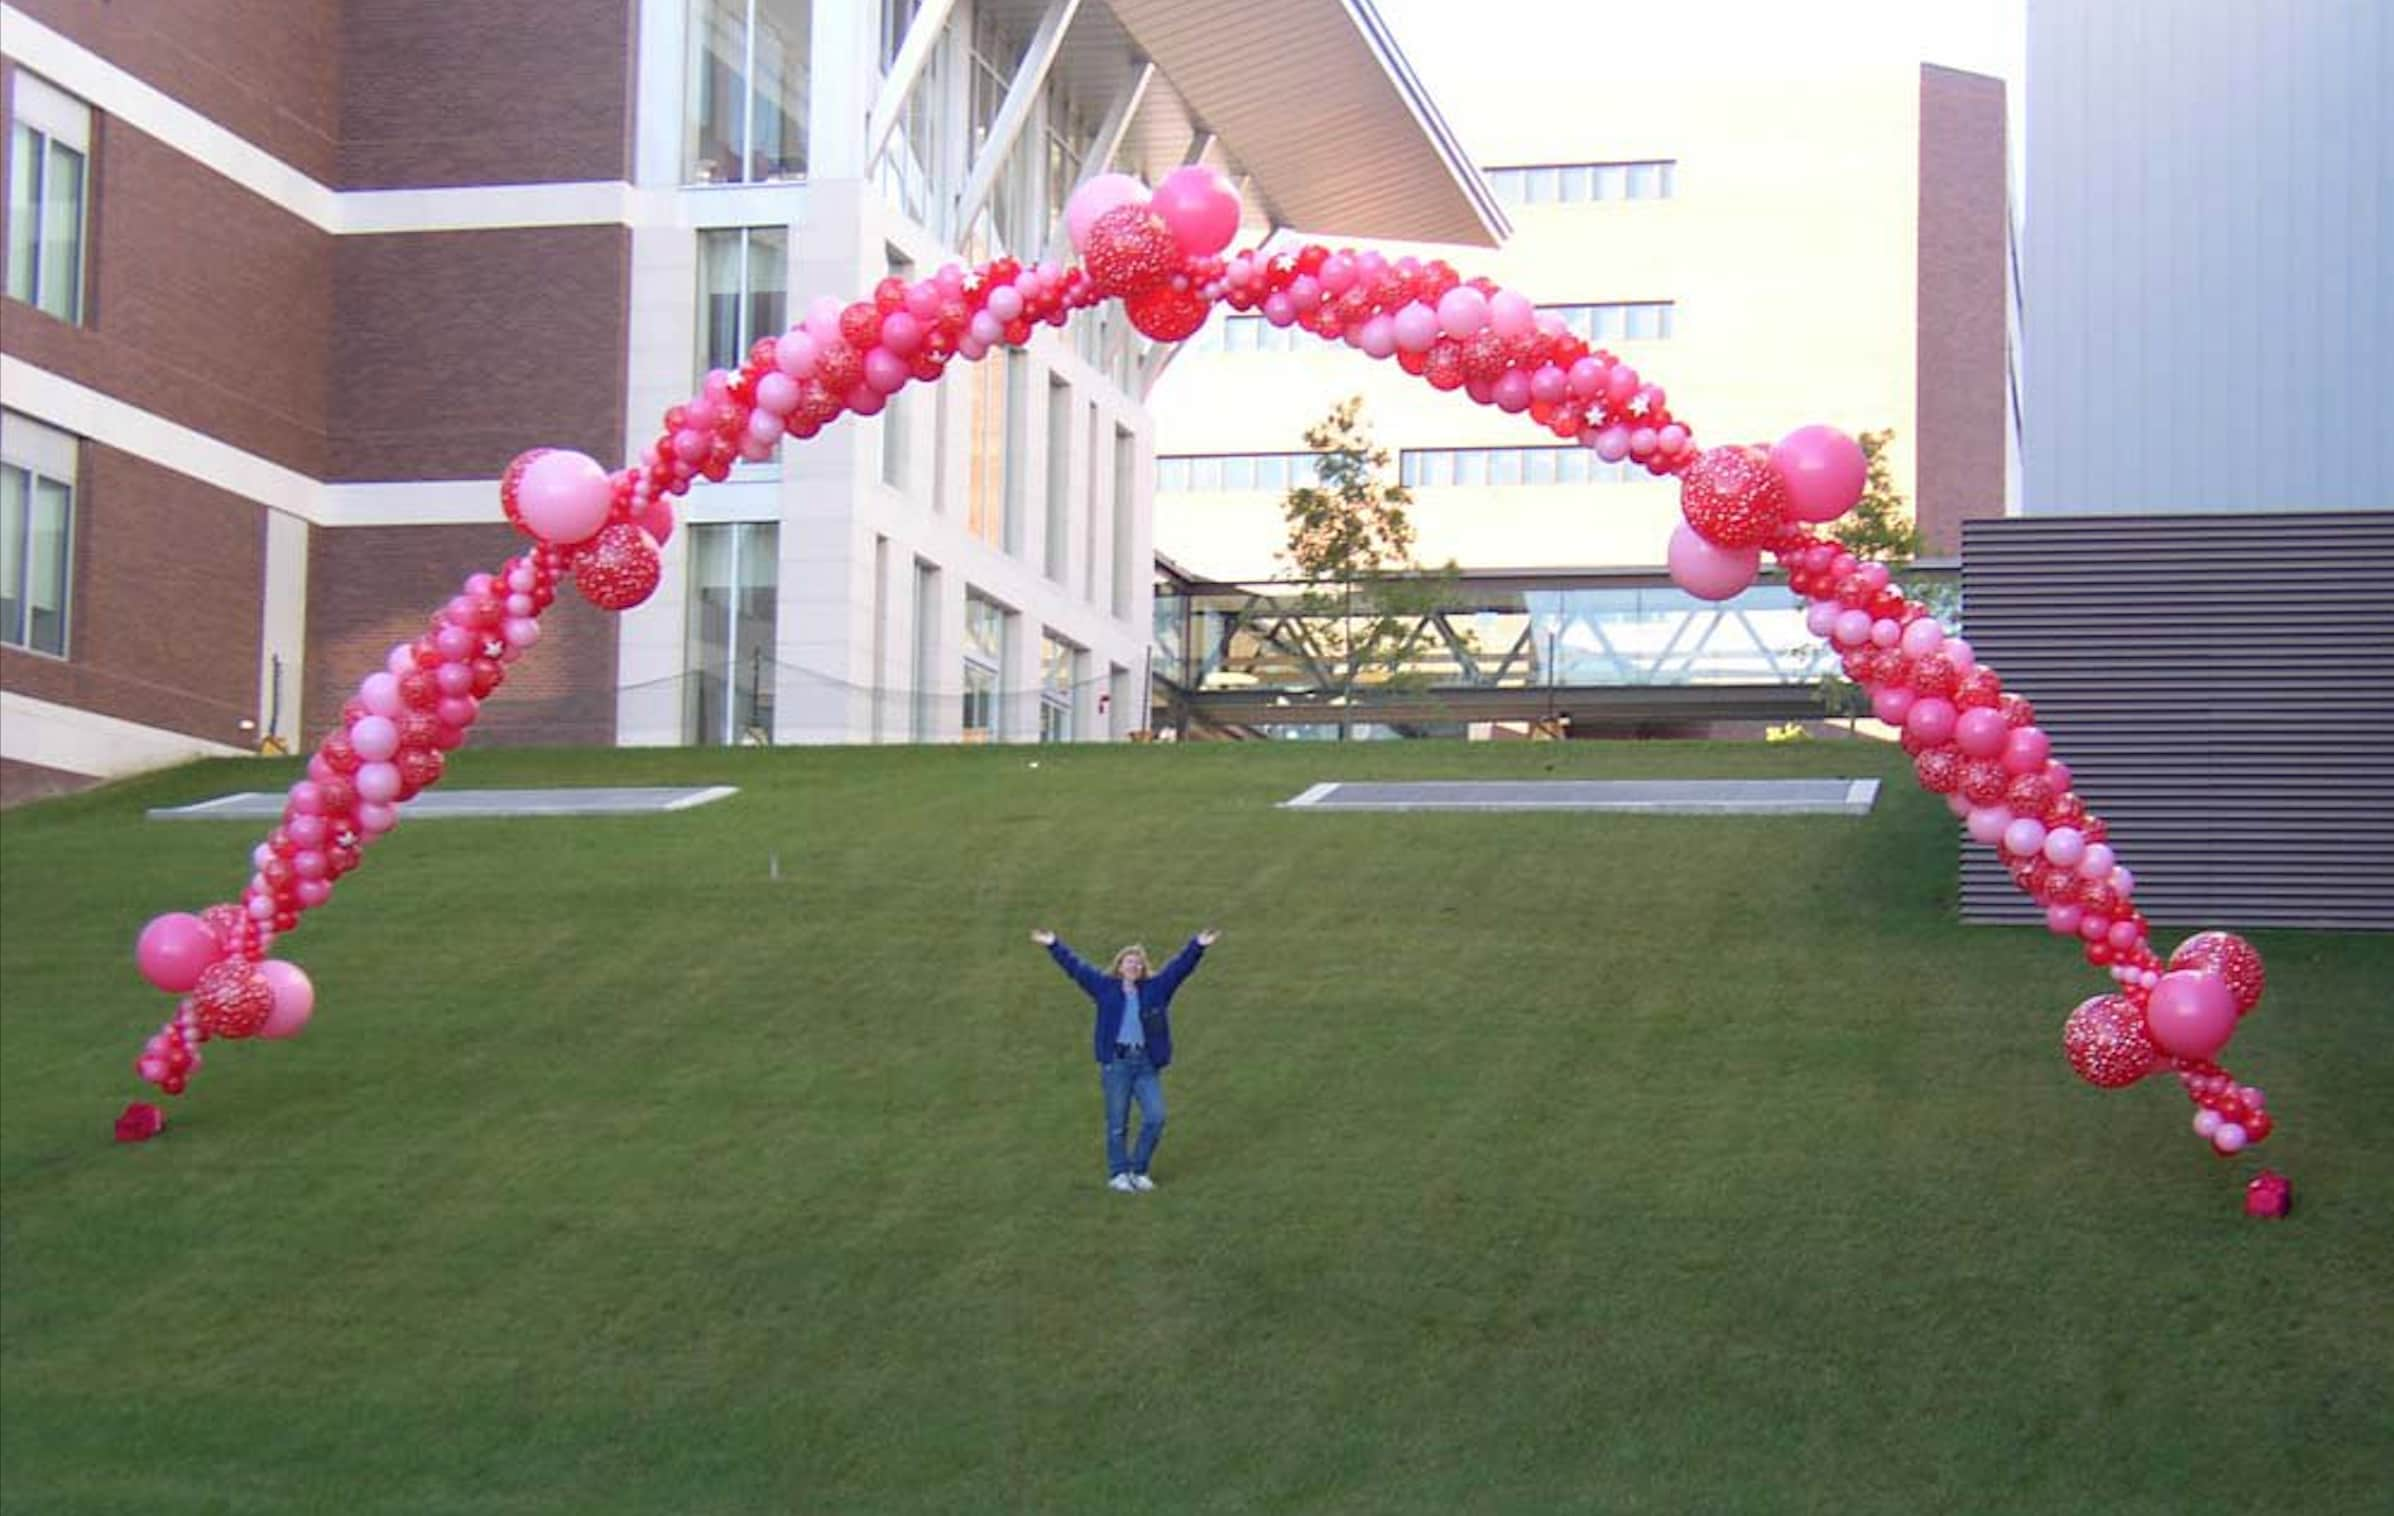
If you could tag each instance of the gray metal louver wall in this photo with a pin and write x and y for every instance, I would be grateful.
(2222, 687)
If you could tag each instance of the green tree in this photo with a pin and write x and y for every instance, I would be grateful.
(1367, 605)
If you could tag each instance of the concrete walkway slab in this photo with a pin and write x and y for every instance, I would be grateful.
(440, 805)
(1671, 797)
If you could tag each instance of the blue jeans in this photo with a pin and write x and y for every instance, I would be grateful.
(1126, 1078)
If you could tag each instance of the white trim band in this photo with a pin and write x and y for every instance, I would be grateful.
(85, 742)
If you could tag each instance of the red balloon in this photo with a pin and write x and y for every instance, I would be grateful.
(620, 568)
(1167, 313)
(1939, 770)
(1130, 251)
(1732, 498)
(1984, 782)
(2230, 957)
(233, 999)
(2107, 1043)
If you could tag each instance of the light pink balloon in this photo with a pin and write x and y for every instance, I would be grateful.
(1378, 337)
(313, 893)
(1988, 822)
(795, 354)
(380, 694)
(454, 678)
(2062, 920)
(294, 998)
(1200, 207)
(375, 738)
(1706, 571)
(1824, 471)
(1922, 637)
(1093, 199)
(1821, 617)
(2191, 1014)
(563, 497)
(1510, 315)
(1612, 445)
(1512, 392)
(2064, 846)
(1462, 311)
(884, 370)
(2096, 862)
(523, 631)
(174, 950)
(375, 817)
(1893, 704)
(377, 782)
(2024, 837)
(777, 392)
(2230, 1137)
(306, 830)
(1416, 328)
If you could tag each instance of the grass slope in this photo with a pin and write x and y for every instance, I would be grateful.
(1517, 1163)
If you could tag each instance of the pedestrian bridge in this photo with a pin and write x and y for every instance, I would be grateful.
(1420, 654)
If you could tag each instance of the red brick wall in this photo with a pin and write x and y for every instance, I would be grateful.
(455, 351)
(168, 594)
(369, 587)
(202, 303)
(1962, 374)
(497, 92)
(266, 70)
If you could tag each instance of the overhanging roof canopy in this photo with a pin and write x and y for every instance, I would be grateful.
(1311, 100)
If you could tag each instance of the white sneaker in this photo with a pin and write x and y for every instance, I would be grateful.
(1121, 1182)
(1141, 1182)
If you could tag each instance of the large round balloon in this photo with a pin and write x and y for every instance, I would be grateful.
(174, 950)
(2229, 956)
(2107, 1042)
(2191, 1014)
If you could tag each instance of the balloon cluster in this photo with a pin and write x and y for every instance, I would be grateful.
(1161, 252)
(1978, 745)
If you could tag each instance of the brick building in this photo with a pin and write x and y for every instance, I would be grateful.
(287, 286)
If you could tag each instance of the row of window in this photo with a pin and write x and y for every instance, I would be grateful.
(1434, 467)
(1619, 320)
(1278, 473)
(989, 631)
(1579, 183)
(1595, 321)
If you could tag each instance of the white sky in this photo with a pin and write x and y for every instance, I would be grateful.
(1561, 50)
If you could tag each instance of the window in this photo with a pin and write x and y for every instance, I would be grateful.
(1273, 473)
(743, 291)
(735, 573)
(49, 157)
(1057, 659)
(994, 57)
(37, 534)
(926, 652)
(1059, 477)
(1126, 483)
(745, 113)
(984, 660)
(919, 147)
(987, 474)
(1618, 320)
(900, 407)
(1579, 183)
(1508, 467)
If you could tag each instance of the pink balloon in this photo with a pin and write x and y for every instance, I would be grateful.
(1922, 637)
(1851, 628)
(1416, 328)
(294, 998)
(1462, 311)
(2065, 846)
(1510, 315)
(307, 830)
(563, 497)
(1930, 720)
(375, 817)
(1987, 824)
(313, 893)
(1706, 571)
(2024, 751)
(380, 694)
(884, 370)
(1893, 703)
(2062, 920)
(795, 356)
(2024, 837)
(523, 631)
(2230, 1138)
(1200, 207)
(375, 738)
(1824, 471)
(1379, 336)
(2096, 862)
(1512, 392)
(1821, 618)
(1981, 731)
(2191, 1014)
(1093, 199)
(1612, 445)
(377, 782)
(174, 950)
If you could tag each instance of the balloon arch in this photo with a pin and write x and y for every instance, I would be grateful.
(1161, 253)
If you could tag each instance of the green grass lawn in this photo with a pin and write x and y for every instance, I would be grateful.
(1517, 1163)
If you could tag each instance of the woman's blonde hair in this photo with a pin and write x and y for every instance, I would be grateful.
(1146, 962)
